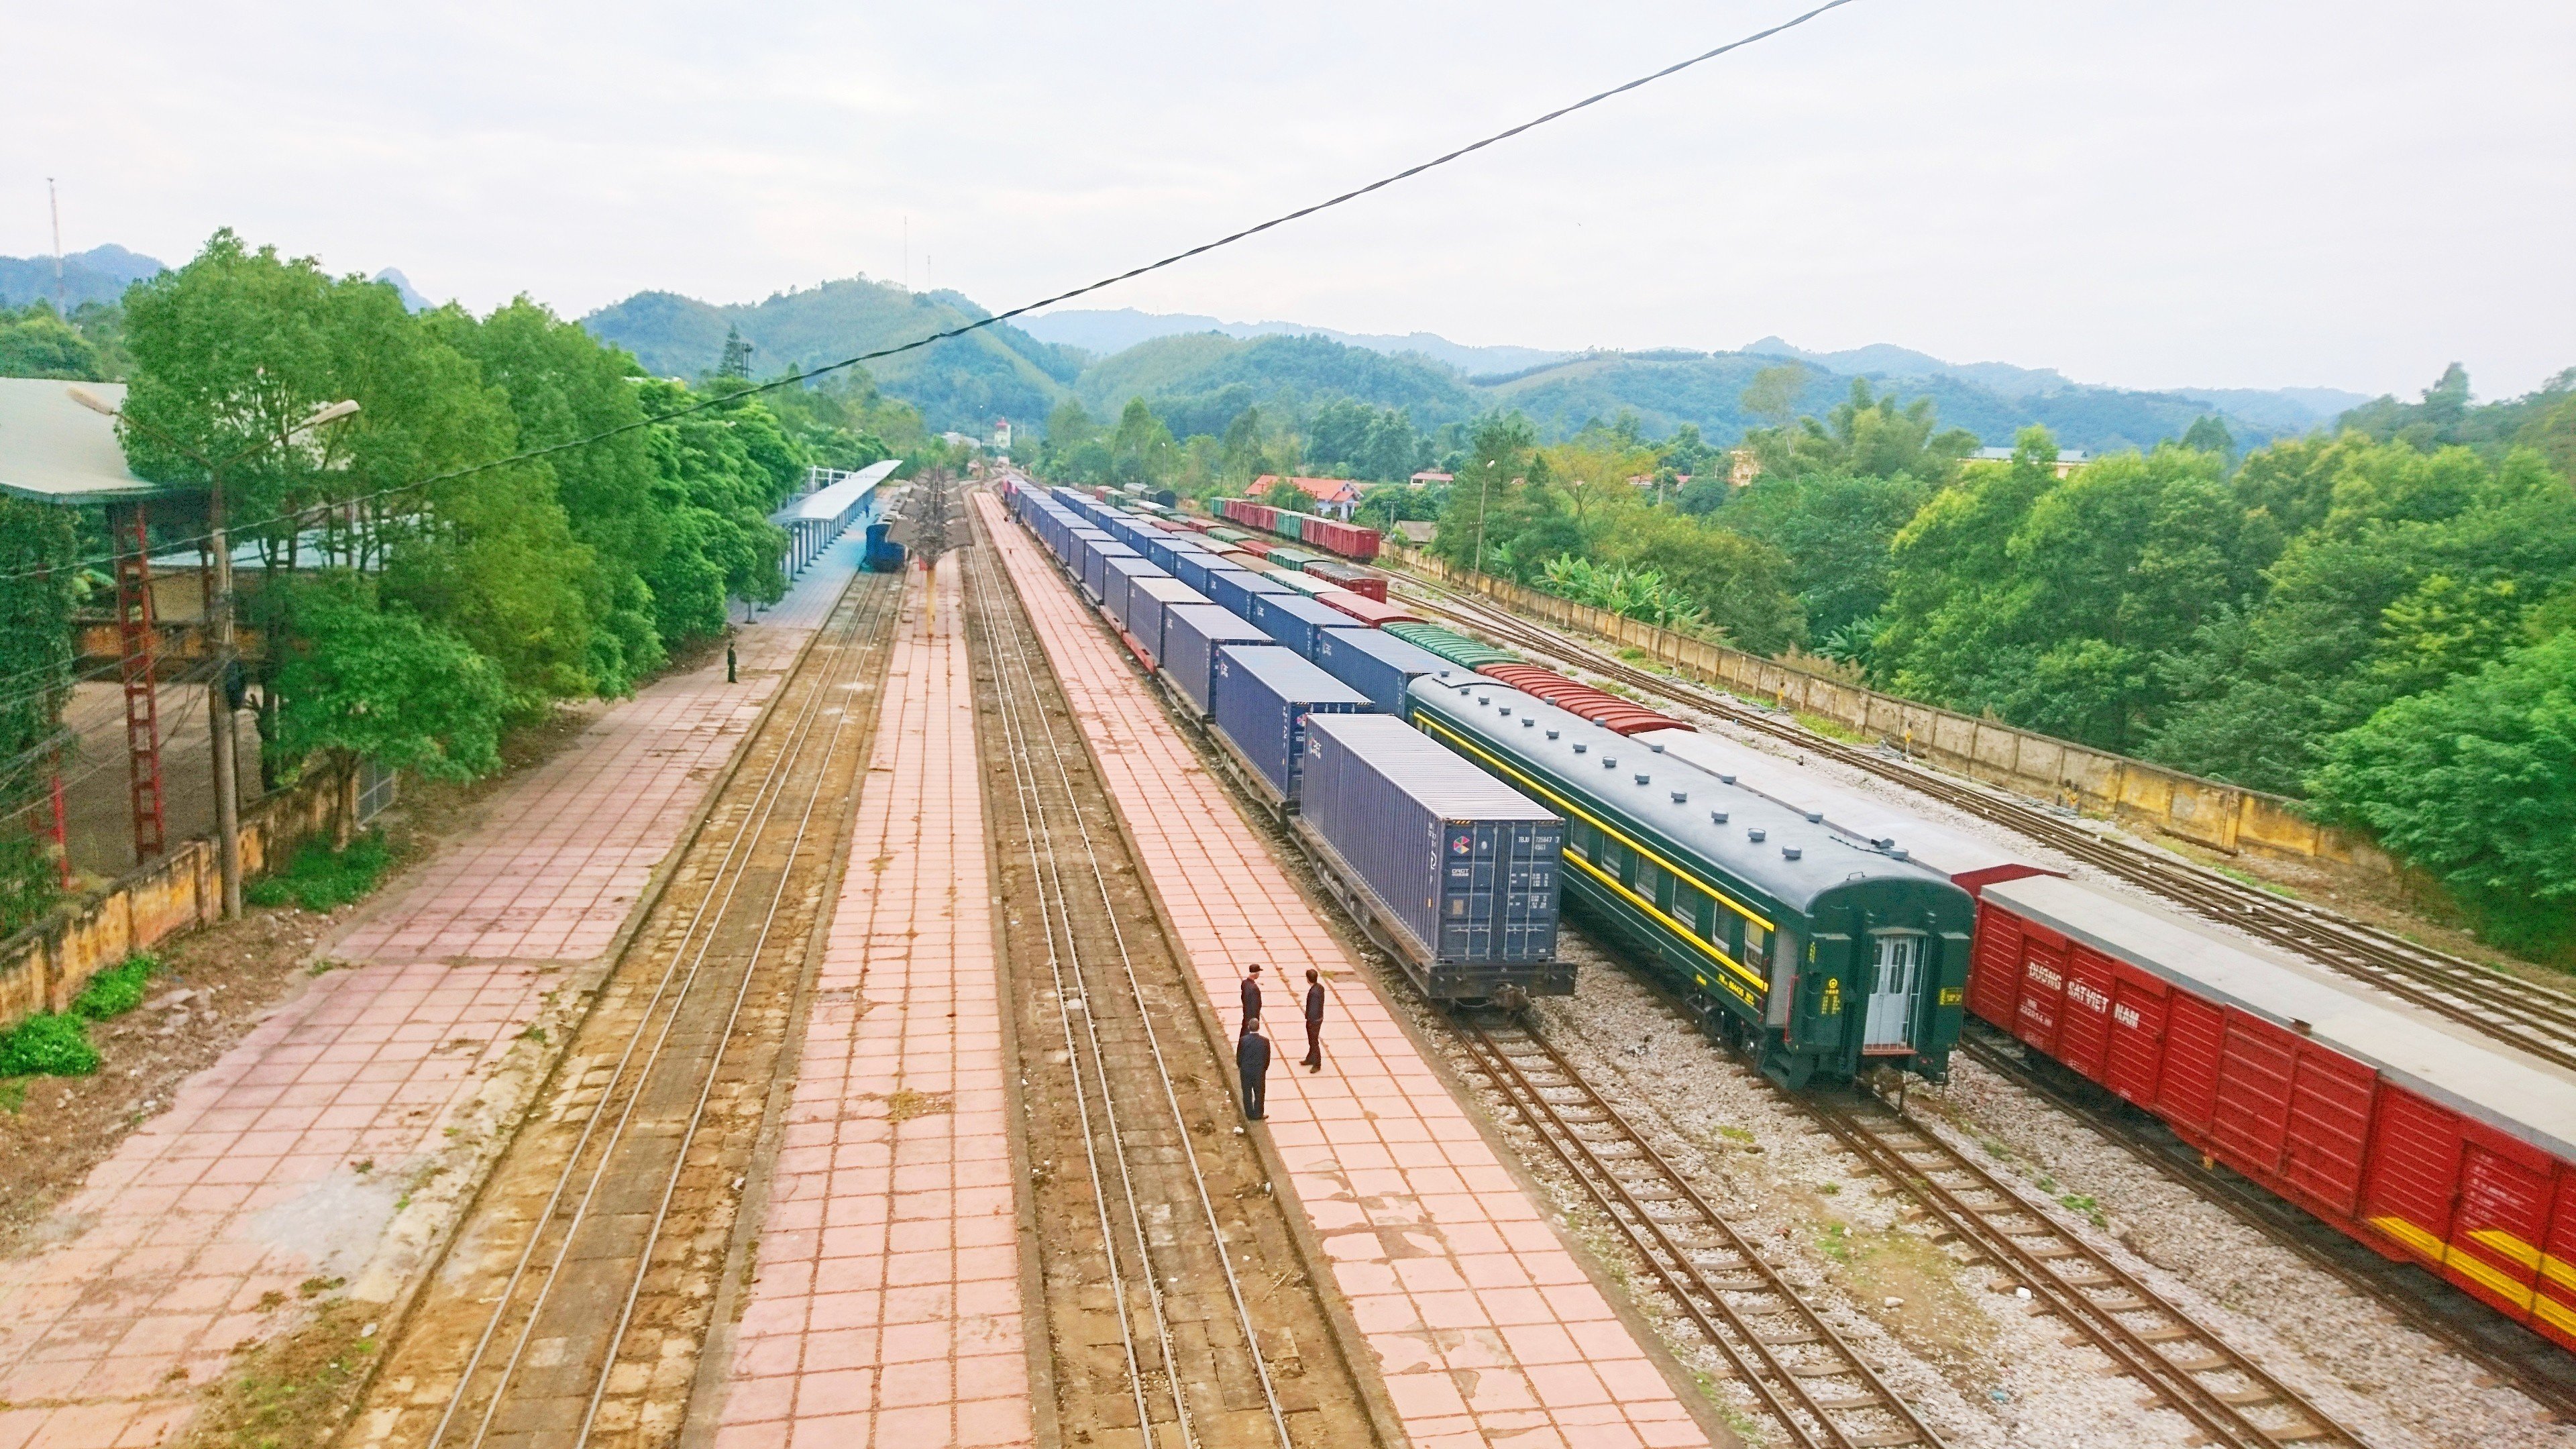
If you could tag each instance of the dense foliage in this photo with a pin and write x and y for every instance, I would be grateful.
(36, 583)
(422, 595)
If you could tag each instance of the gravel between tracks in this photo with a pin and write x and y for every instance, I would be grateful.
(1973, 1359)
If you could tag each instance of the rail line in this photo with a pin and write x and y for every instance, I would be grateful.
(1068, 869)
(594, 1236)
(1813, 1382)
(2534, 1018)
(2431, 1307)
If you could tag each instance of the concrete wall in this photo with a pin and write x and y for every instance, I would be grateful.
(44, 966)
(2224, 817)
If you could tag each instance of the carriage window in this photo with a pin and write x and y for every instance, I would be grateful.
(1698, 910)
(1619, 861)
(1756, 941)
(1583, 840)
(1650, 881)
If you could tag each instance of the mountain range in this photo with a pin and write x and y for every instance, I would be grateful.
(100, 274)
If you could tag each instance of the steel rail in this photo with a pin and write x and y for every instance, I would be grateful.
(1049, 869)
(754, 817)
(1057, 751)
(2528, 1016)
(724, 1038)
(2145, 1353)
(2262, 1211)
(1781, 1385)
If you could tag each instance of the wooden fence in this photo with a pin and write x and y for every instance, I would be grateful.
(2227, 818)
(44, 966)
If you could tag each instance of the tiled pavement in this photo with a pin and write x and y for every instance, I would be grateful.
(1485, 1327)
(887, 1305)
(196, 1235)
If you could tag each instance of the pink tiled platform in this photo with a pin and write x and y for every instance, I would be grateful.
(199, 1232)
(887, 1307)
(1486, 1328)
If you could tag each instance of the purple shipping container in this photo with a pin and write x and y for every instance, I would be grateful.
(1295, 620)
(1192, 635)
(1095, 567)
(1234, 589)
(1261, 697)
(1462, 864)
(1378, 665)
(1149, 599)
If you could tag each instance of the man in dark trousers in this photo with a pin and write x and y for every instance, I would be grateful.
(1252, 1058)
(1314, 1022)
(1252, 996)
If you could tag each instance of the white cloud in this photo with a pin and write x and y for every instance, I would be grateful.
(2185, 193)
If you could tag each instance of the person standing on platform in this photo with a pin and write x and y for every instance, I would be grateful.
(1252, 1058)
(1314, 1021)
(1252, 997)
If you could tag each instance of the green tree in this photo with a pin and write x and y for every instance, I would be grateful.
(1773, 394)
(2475, 783)
(36, 343)
(1835, 530)
(375, 679)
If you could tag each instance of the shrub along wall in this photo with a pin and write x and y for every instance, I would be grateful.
(2224, 817)
(44, 966)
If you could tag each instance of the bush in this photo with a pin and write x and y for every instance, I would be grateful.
(118, 989)
(48, 1045)
(321, 879)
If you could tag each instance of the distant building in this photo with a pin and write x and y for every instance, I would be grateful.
(1001, 435)
(1416, 531)
(1426, 478)
(1334, 497)
(961, 440)
(1742, 467)
(2068, 459)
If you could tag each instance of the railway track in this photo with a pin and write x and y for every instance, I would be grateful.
(1824, 1392)
(1173, 1319)
(575, 1303)
(2529, 1016)
(2538, 1369)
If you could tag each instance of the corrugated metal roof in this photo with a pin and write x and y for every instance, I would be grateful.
(56, 451)
(825, 504)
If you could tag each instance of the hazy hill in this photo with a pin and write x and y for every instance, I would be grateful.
(962, 383)
(1105, 332)
(100, 274)
(1290, 371)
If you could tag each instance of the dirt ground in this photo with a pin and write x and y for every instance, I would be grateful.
(215, 985)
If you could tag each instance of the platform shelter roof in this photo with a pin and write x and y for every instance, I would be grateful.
(831, 501)
(54, 450)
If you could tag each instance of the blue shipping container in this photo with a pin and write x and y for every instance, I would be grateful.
(1295, 620)
(1095, 566)
(1234, 589)
(1122, 572)
(1378, 664)
(1466, 863)
(1192, 635)
(1148, 598)
(1261, 698)
(1193, 569)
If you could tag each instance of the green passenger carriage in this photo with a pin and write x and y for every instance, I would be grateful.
(1814, 950)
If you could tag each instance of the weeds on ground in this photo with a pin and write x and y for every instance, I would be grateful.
(118, 989)
(322, 880)
(48, 1044)
(294, 1390)
(1832, 729)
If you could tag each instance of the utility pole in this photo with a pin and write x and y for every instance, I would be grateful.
(53, 199)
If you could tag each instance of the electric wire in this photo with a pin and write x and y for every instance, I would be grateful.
(794, 379)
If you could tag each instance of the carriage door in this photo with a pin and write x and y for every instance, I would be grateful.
(1890, 1027)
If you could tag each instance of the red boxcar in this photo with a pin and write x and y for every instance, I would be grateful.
(2426, 1146)
(1347, 539)
(1607, 710)
(1357, 580)
(1376, 613)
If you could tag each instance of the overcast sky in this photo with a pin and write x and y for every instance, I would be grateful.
(2179, 193)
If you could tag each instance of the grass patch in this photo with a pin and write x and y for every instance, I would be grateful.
(1832, 729)
(13, 1097)
(294, 1391)
(118, 989)
(322, 880)
(48, 1045)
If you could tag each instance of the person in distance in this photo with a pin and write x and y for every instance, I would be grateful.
(1252, 1058)
(1314, 1021)
(1252, 997)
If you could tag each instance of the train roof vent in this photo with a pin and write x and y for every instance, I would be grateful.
(1643, 779)
(1717, 817)
(1484, 699)
(1896, 852)
(1530, 721)
(1579, 746)
(1755, 835)
(1814, 817)
(1609, 762)
(1789, 852)
(1551, 734)
(1681, 797)
(1726, 779)
(1507, 711)
(1654, 746)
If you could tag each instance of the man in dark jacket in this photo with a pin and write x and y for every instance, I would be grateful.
(1252, 996)
(1252, 1058)
(1314, 1022)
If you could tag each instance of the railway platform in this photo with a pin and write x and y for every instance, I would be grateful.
(322, 1153)
(1485, 1327)
(886, 1304)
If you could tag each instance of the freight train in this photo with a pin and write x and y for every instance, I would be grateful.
(2423, 1141)
(1817, 957)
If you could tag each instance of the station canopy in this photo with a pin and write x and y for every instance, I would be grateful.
(829, 503)
(54, 450)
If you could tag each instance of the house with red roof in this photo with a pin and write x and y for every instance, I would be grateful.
(1334, 497)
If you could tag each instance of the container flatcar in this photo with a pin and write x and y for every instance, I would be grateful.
(1452, 868)
(1148, 601)
(1366, 582)
(1260, 699)
(1192, 635)
(1365, 610)
(2421, 1140)
(1816, 957)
